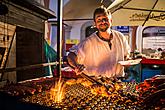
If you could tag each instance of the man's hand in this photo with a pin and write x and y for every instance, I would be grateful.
(73, 63)
(79, 68)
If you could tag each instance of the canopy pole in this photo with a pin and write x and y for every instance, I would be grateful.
(133, 40)
(59, 37)
(142, 9)
(149, 14)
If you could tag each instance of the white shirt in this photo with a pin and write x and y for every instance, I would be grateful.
(97, 56)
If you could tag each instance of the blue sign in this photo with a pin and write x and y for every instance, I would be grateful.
(123, 29)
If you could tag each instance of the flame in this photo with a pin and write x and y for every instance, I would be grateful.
(117, 86)
(71, 81)
(83, 81)
(57, 93)
(99, 90)
(86, 83)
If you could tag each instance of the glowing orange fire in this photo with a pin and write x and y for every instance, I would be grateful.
(57, 93)
(99, 90)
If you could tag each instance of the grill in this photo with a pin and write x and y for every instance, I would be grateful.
(78, 94)
(81, 97)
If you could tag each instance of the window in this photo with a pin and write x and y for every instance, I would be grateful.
(153, 40)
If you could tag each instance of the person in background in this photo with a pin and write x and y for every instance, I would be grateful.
(100, 53)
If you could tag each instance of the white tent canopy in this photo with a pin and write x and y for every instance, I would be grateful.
(82, 9)
(138, 12)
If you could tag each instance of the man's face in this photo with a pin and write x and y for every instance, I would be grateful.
(102, 22)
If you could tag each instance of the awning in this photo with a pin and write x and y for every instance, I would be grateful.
(34, 6)
(138, 12)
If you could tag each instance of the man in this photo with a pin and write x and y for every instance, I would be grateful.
(100, 53)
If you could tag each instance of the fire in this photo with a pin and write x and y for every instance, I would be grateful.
(99, 90)
(57, 93)
(83, 81)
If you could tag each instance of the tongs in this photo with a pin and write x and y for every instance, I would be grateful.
(99, 83)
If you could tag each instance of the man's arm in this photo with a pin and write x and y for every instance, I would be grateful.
(73, 62)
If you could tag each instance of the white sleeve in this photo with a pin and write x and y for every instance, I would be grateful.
(79, 51)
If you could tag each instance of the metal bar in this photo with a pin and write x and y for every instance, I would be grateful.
(87, 77)
(27, 67)
(80, 19)
(59, 36)
(142, 9)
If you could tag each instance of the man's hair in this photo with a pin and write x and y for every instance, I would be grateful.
(101, 10)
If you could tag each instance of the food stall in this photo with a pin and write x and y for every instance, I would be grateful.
(82, 92)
